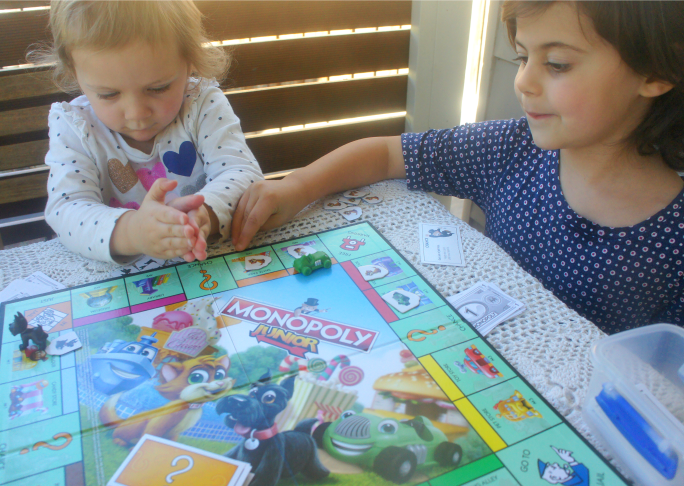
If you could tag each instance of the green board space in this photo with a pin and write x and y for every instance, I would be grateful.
(48, 478)
(154, 285)
(472, 366)
(433, 330)
(63, 432)
(500, 477)
(30, 400)
(429, 299)
(353, 242)
(514, 410)
(200, 279)
(299, 247)
(464, 474)
(236, 263)
(556, 452)
(99, 298)
(15, 366)
(397, 268)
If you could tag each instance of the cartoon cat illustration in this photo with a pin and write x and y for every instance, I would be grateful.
(187, 385)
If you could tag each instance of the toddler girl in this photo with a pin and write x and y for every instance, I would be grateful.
(151, 159)
(583, 191)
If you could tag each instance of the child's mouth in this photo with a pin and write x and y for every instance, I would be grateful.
(538, 116)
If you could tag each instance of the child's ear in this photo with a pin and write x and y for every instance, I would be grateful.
(653, 87)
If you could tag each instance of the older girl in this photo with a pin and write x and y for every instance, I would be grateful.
(583, 192)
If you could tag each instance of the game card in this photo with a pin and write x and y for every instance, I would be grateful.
(65, 343)
(373, 199)
(154, 460)
(351, 214)
(334, 204)
(440, 244)
(295, 251)
(402, 300)
(256, 262)
(373, 272)
(356, 193)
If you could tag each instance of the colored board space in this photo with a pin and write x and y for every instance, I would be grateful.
(395, 385)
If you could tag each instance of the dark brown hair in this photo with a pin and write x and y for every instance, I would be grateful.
(649, 36)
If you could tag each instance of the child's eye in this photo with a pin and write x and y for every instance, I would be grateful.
(522, 59)
(160, 90)
(556, 67)
(107, 96)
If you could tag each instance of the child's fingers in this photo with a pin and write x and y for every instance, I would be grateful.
(168, 215)
(177, 244)
(200, 254)
(236, 224)
(187, 203)
(159, 189)
(200, 248)
(252, 221)
(163, 231)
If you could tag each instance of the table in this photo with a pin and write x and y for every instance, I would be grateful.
(548, 344)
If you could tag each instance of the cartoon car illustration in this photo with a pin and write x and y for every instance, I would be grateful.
(477, 363)
(393, 449)
(306, 264)
(121, 365)
(516, 408)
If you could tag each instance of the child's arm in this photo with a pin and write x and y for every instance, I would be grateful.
(75, 209)
(229, 164)
(269, 204)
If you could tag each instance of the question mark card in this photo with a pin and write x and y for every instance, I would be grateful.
(163, 462)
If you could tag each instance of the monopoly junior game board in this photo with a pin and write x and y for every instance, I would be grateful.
(210, 372)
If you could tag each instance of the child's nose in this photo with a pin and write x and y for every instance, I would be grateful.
(137, 110)
(526, 81)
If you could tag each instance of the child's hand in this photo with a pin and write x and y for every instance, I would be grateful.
(266, 205)
(155, 229)
(200, 219)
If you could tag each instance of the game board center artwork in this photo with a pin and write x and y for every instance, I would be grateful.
(325, 359)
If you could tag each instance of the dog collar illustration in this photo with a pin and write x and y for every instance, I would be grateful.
(271, 453)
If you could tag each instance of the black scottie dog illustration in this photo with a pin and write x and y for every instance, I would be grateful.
(271, 453)
(35, 334)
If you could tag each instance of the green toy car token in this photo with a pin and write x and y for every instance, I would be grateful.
(306, 264)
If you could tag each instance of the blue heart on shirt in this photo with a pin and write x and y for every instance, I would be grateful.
(183, 162)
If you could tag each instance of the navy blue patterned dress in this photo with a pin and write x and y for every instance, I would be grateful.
(619, 278)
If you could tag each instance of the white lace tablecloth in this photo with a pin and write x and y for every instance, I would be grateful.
(548, 344)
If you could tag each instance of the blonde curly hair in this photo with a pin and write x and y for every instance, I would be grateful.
(101, 25)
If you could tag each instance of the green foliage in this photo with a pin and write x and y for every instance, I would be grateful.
(216, 447)
(117, 328)
(473, 447)
(253, 363)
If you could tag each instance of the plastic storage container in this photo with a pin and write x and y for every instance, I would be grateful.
(635, 402)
